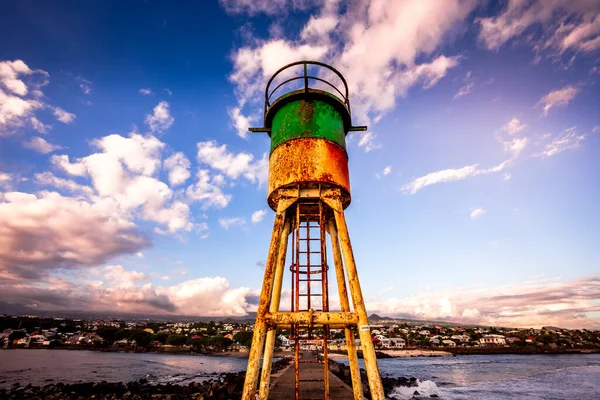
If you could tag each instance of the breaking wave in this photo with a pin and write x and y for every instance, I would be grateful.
(425, 389)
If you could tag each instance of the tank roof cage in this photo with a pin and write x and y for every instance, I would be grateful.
(343, 96)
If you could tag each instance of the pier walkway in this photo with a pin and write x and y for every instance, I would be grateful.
(311, 382)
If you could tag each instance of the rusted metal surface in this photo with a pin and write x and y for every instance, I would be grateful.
(345, 306)
(265, 377)
(364, 331)
(308, 161)
(260, 327)
(311, 318)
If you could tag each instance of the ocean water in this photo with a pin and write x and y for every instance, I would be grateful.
(548, 377)
(41, 367)
(495, 377)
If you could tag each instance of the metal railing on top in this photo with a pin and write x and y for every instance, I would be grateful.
(343, 96)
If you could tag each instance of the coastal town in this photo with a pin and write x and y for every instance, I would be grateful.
(230, 336)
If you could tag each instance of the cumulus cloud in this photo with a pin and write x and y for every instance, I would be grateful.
(179, 168)
(449, 175)
(40, 145)
(145, 92)
(240, 122)
(478, 212)
(120, 290)
(17, 102)
(160, 120)
(49, 179)
(123, 173)
(565, 24)
(258, 216)
(534, 303)
(558, 98)
(233, 165)
(207, 190)
(44, 232)
(123, 278)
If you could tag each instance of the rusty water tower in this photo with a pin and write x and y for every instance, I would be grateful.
(309, 189)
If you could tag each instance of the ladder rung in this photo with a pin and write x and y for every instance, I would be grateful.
(311, 295)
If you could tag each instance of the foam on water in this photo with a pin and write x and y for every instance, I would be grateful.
(425, 388)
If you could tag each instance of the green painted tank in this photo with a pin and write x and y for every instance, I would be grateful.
(308, 129)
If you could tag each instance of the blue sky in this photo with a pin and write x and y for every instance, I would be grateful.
(128, 180)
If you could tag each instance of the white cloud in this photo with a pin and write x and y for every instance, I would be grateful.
(515, 146)
(232, 221)
(240, 122)
(145, 92)
(39, 125)
(580, 33)
(40, 145)
(258, 216)
(233, 165)
(15, 110)
(387, 170)
(165, 278)
(512, 138)
(514, 126)
(123, 278)
(85, 86)
(123, 174)
(48, 179)
(139, 254)
(179, 168)
(366, 140)
(507, 176)
(48, 231)
(207, 191)
(63, 116)
(160, 120)
(478, 212)
(567, 140)
(533, 303)
(469, 83)
(557, 98)
(269, 7)
(449, 175)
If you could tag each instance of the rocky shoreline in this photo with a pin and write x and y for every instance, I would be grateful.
(227, 386)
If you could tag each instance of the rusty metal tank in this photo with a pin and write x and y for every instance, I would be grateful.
(308, 129)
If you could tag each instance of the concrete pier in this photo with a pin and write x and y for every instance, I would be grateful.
(311, 382)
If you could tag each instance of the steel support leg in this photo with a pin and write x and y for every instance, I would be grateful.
(260, 326)
(345, 306)
(364, 331)
(265, 377)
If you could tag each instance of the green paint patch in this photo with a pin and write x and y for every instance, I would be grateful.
(306, 119)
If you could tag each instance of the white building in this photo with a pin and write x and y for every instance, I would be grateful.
(492, 339)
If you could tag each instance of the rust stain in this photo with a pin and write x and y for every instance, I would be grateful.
(308, 161)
